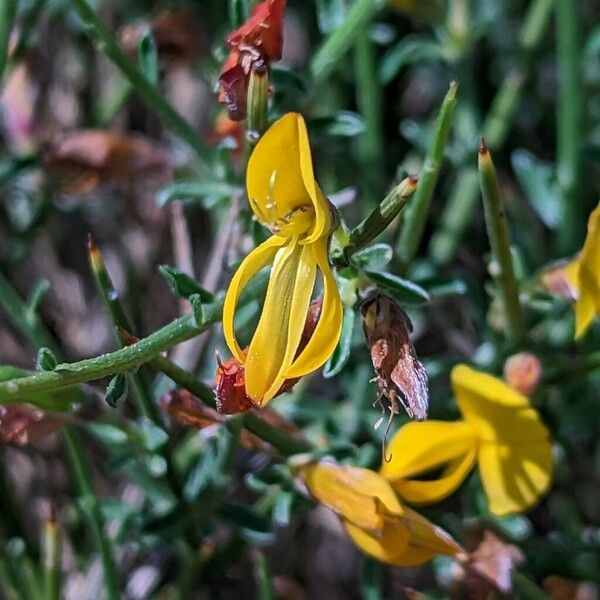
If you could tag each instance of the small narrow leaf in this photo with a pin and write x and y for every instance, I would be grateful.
(183, 285)
(148, 57)
(373, 257)
(116, 390)
(341, 354)
(46, 361)
(403, 290)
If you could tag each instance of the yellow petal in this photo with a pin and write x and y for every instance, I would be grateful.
(454, 473)
(359, 495)
(496, 412)
(386, 546)
(259, 258)
(280, 177)
(514, 477)
(588, 304)
(421, 447)
(327, 332)
(276, 338)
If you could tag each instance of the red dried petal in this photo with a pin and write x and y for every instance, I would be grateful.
(23, 424)
(233, 91)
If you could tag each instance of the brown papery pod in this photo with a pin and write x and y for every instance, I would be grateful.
(399, 375)
(24, 424)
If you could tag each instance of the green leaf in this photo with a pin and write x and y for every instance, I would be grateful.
(197, 310)
(330, 14)
(153, 436)
(341, 354)
(343, 124)
(373, 257)
(207, 193)
(538, 180)
(183, 285)
(402, 290)
(116, 390)
(254, 527)
(37, 295)
(282, 510)
(410, 49)
(108, 434)
(148, 57)
(46, 361)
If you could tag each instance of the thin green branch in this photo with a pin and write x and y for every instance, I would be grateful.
(8, 10)
(416, 214)
(23, 318)
(108, 45)
(499, 236)
(120, 361)
(52, 555)
(378, 221)
(368, 99)
(569, 117)
(340, 41)
(91, 509)
(463, 198)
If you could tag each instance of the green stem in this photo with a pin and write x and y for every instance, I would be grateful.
(416, 214)
(368, 98)
(52, 554)
(463, 198)
(91, 509)
(120, 361)
(526, 588)
(251, 421)
(8, 10)
(340, 41)
(23, 318)
(109, 46)
(389, 208)
(499, 236)
(262, 576)
(578, 366)
(569, 115)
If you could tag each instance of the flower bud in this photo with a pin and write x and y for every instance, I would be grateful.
(523, 372)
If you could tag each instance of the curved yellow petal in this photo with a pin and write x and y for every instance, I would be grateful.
(329, 327)
(431, 491)
(386, 546)
(259, 258)
(358, 495)
(588, 304)
(496, 412)
(420, 447)
(277, 336)
(280, 178)
(514, 477)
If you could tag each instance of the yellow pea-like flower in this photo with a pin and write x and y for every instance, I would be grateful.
(374, 517)
(286, 199)
(500, 431)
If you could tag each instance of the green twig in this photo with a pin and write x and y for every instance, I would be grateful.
(389, 208)
(52, 554)
(499, 236)
(91, 509)
(340, 41)
(569, 115)
(463, 198)
(25, 319)
(252, 422)
(120, 361)
(416, 214)
(8, 10)
(262, 576)
(527, 589)
(368, 99)
(109, 46)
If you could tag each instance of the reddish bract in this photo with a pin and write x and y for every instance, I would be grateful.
(260, 38)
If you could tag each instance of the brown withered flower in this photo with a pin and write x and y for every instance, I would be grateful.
(83, 160)
(230, 385)
(23, 424)
(175, 32)
(399, 375)
(258, 41)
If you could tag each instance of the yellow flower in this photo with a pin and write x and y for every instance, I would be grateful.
(373, 516)
(579, 278)
(500, 430)
(286, 199)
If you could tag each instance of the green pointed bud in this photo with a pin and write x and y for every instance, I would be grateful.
(258, 101)
(116, 390)
(46, 361)
(183, 285)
